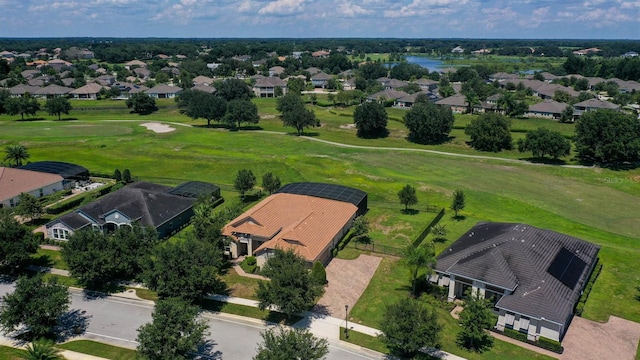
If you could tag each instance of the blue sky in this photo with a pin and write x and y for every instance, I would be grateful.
(599, 19)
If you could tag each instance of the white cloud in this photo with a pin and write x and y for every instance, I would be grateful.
(282, 7)
(425, 7)
(348, 9)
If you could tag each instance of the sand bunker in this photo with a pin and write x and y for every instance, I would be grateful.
(158, 127)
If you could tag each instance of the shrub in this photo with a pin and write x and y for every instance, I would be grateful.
(579, 308)
(65, 205)
(318, 273)
(39, 236)
(551, 345)
(251, 260)
(514, 334)
(249, 265)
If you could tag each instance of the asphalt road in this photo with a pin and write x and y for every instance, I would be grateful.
(116, 320)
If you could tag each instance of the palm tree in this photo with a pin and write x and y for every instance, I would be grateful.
(16, 154)
(472, 99)
(417, 258)
(42, 350)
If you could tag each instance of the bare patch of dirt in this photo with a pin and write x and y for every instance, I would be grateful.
(348, 126)
(616, 339)
(377, 225)
(347, 281)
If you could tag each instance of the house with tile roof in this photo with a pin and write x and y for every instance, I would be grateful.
(164, 208)
(533, 276)
(14, 182)
(309, 225)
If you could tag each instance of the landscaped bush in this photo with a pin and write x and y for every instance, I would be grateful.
(587, 289)
(65, 205)
(318, 273)
(251, 260)
(39, 236)
(579, 308)
(514, 334)
(249, 264)
(551, 345)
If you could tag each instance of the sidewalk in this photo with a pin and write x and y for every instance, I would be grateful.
(327, 326)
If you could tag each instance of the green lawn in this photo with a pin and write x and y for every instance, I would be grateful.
(50, 258)
(249, 311)
(594, 204)
(99, 349)
(9, 353)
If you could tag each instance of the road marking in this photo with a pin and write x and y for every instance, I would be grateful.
(213, 317)
(351, 352)
(111, 337)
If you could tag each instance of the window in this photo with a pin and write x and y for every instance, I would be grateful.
(524, 324)
(60, 234)
(509, 318)
(11, 203)
(41, 193)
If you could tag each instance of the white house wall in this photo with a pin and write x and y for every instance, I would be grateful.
(46, 190)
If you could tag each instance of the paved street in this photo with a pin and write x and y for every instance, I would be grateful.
(115, 321)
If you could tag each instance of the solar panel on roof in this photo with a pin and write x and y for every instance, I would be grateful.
(567, 267)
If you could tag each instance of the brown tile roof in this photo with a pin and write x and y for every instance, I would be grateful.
(13, 182)
(306, 224)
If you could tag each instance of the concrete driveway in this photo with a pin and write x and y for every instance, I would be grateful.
(347, 281)
(589, 340)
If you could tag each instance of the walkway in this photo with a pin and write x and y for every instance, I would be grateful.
(327, 326)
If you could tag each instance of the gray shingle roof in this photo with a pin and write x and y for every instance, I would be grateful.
(148, 203)
(520, 255)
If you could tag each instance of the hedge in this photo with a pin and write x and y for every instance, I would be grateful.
(542, 342)
(76, 201)
(587, 289)
(551, 345)
(65, 205)
(514, 334)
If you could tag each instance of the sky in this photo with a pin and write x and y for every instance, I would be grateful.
(553, 19)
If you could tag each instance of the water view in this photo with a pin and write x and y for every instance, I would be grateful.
(427, 63)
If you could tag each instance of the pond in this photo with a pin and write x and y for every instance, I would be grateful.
(427, 63)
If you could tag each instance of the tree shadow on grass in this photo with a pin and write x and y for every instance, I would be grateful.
(459, 217)
(31, 119)
(544, 160)
(42, 261)
(67, 119)
(410, 211)
(101, 291)
(251, 127)
(72, 324)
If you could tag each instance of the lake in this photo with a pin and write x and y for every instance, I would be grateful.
(427, 63)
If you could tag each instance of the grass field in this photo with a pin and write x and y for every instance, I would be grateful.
(9, 353)
(595, 204)
(99, 349)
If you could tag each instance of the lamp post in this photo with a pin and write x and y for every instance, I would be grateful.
(346, 321)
